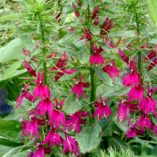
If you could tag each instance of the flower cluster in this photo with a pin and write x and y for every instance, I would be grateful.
(48, 114)
(49, 126)
(137, 101)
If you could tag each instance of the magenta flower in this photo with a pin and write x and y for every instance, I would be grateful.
(78, 88)
(87, 35)
(133, 132)
(64, 71)
(26, 52)
(76, 120)
(151, 55)
(39, 152)
(111, 44)
(62, 62)
(30, 127)
(57, 117)
(95, 57)
(107, 25)
(29, 68)
(61, 67)
(95, 12)
(24, 94)
(102, 110)
(45, 105)
(96, 21)
(111, 70)
(136, 93)
(77, 14)
(148, 104)
(123, 111)
(131, 79)
(123, 56)
(52, 55)
(52, 138)
(41, 90)
(152, 64)
(143, 123)
(70, 145)
(132, 66)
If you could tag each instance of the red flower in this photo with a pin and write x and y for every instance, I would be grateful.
(102, 110)
(148, 104)
(24, 94)
(78, 88)
(95, 57)
(111, 70)
(39, 152)
(87, 35)
(123, 111)
(123, 56)
(96, 21)
(26, 52)
(53, 138)
(143, 123)
(133, 132)
(45, 105)
(152, 64)
(107, 25)
(133, 78)
(52, 55)
(136, 93)
(70, 145)
(29, 68)
(57, 117)
(76, 120)
(151, 55)
(41, 90)
(95, 12)
(61, 66)
(77, 14)
(30, 127)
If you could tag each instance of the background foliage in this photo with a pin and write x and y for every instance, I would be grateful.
(20, 29)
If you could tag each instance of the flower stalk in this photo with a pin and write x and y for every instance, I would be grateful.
(92, 82)
(43, 47)
(139, 61)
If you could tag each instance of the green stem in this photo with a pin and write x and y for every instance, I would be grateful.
(43, 48)
(139, 61)
(92, 82)
(92, 72)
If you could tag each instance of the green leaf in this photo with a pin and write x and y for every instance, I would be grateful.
(11, 71)
(84, 55)
(12, 152)
(152, 5)
(71, 105)
(108, 91)
(94, 29)
(4, 149)
(89, 138)
(104, 77)
(13, 50)
(11, 130)
(10, 17)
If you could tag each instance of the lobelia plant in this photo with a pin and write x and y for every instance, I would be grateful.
(66, 116)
